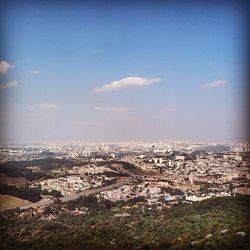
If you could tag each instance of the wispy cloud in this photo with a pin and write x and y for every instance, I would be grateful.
(99, 51)
(49, 106)
(11, 84)
(35, 72)
(111, 109)
(4, 67)
(214, 84)
(31, 107)
(81, 123)
(125, 118)
(168, 109)
(128, 82)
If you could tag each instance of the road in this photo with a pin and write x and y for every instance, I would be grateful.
(122, 181)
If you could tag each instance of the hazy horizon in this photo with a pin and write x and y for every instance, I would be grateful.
(123, 72)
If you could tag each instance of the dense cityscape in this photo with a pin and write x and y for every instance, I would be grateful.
(192, 171)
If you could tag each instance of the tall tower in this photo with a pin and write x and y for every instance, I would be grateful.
(191, 179)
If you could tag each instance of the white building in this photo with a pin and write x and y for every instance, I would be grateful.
(180, 157)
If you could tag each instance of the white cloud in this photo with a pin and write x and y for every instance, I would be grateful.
(4, 67)
(214, 84)
(128, 82)
(111, 109)
(81, 123)
(125, 118)
(49, 106)
(11, 84)
(168, 109)
(35, 72)
(99, 51)
(31, 107)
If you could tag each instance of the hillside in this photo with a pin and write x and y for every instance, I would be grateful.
(220, 223)
(8, 201)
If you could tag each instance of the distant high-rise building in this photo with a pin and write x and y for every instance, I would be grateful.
(191, 179)
(170, 163)
(180, 157)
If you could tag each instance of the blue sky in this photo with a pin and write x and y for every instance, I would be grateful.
(171, 71)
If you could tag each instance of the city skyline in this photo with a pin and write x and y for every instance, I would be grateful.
(123, 72)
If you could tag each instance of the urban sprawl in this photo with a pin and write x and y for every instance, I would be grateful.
(161, 173)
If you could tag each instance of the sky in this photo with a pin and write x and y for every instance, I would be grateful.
(119, 72)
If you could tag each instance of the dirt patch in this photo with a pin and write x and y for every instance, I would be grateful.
(8, 202)
(4, 179)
